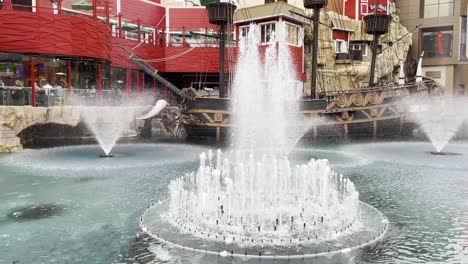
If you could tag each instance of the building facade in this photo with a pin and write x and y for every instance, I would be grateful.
(77, 44)
(442, 35)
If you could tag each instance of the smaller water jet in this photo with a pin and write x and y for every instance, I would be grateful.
(439, 118)
(107, 124)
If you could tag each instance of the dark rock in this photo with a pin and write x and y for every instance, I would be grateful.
(35, 212)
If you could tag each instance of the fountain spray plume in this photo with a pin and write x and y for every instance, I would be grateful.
(256, 197)
(109, 120)
(265, 96)
(439, 117)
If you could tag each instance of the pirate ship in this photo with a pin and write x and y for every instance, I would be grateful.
(366, 108)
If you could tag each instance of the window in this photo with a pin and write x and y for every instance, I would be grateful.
(438, 8)
(359, 46)
(244, 31)
(293, 34)
(364, 7)
(437, 42)
(463, 39)
(266, 31)
(341, 46)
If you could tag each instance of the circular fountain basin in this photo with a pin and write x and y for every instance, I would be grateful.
(423, 196)
(411, 153)
(372, 227)
(86, 157)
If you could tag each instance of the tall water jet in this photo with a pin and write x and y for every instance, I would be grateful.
(265, 94)
(107, 124)
(439, 118)
(254, 197)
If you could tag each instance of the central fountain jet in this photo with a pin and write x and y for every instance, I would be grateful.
(254, 197)
(259, 197)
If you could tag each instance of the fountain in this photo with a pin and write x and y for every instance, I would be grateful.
(439, 118)
(254, 199)
(107, 123)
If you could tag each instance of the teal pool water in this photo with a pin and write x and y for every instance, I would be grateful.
(99, 201)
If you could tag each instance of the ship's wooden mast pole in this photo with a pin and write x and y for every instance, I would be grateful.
(222, 45)
(375, 43)
(313, 81)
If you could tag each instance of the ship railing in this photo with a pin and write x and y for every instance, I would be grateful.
(380, 88)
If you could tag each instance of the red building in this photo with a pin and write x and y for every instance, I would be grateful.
(77, 43)
(267, 17)
(356, 9)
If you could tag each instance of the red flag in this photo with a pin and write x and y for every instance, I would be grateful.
(440, 43)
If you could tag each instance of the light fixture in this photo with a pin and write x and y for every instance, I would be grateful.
(144, 30)
(128, 27)
(82, 5)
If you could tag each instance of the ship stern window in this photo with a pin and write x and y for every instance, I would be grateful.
(244, 31)
(293, 34)
(266, 31)
(359, 46)
(341, 46)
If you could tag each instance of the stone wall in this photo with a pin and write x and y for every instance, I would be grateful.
(348, 75)
(14, 119)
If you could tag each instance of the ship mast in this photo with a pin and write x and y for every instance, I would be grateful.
(376, 24)
(316, 5)
(221, 13)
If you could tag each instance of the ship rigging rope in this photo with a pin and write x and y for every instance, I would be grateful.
(154, 29)
(175, 56)
(246, 11)
(199, 76)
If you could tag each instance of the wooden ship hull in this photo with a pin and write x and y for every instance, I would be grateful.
(367, 113)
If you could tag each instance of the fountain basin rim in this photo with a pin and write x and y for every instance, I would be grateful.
(145, 229)
(444, 153)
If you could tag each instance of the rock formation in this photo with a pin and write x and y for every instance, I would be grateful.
(345, 75)
(13, 119)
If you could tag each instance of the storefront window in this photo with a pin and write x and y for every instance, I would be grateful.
(437, 42)
(463, 38)
(52, 73)
(13, 69)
